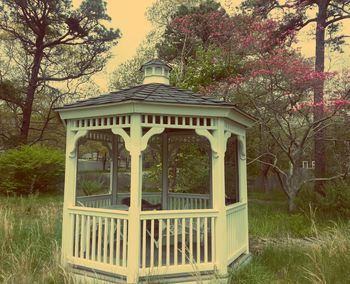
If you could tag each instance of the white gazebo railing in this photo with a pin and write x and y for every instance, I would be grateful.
(95, 201)
(176, 201)
(237, 221)
(171, 240)
(98, 239)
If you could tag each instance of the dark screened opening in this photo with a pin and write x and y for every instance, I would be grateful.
(188, 170)
(231, 171)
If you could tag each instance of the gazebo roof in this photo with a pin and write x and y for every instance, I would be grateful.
(154, 62)
(153, 93)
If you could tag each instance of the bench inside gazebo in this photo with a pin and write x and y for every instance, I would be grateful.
(132, 235)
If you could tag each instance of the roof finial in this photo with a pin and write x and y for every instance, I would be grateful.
(156, 53)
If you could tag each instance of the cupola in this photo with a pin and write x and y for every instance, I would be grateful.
(155, 71)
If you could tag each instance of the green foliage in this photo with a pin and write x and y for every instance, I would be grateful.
(335, 204)
(268, 217)
(92, 183)
(208, 66)
(189, 171)
(30, 238)
(90, 187)
(30, 169)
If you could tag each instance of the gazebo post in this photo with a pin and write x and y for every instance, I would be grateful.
(242, 170)
(210, 203)
(114, 170)
(135, 199)
(70, 182)
(218, 191)
(165, 189)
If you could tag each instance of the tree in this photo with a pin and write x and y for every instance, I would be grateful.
(328, 18)
(160, 15)
(273, 83)
(58, 44)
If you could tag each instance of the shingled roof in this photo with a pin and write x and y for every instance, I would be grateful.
(152, 93)
(154, 62)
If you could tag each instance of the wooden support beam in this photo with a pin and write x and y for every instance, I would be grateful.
(165, 166)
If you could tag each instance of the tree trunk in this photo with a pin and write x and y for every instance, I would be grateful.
(265, 181)
(30, 93)
(319, 146)
(291, 202)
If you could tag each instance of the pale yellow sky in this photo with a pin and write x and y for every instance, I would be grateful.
(129, 17)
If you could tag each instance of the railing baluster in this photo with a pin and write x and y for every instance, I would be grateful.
(175, 241)
(198, 241)
(167, 242)
(152, 244)
(76, 236)
(160, 242)
(111, 242)
(82, 237)
(88, 235)
(105, 239)
(125, 239)
(206, 240)
(191, 240)
(183, 241)
(144, 244)
(99, 239)
(212, 233)
(93, 253)
(117, 249)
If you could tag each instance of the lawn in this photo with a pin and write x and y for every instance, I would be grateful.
(286, 248)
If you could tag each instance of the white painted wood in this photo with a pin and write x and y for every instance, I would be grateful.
(133, 144)
(165, 166)
(198, 240)
(144, 244)
(175, 241)
(236, 228)
(111, 241)
(117, 253)
(183, 242)
(114, 170)
(219, 140)
(69, 195)
(242, 170)
(94, 227)
(125, 240)
(221, 233)
(160, 243)
(95, 201)
(167, 242)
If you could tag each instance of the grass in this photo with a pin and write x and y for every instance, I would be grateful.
(298, 248)
(30, 237)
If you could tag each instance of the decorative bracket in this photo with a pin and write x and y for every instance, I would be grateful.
(214, 143)
(144, 139)
(148, 135)
(126, 137)
(74, 142)
(242, 148)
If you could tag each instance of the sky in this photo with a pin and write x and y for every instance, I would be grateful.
(129, 16)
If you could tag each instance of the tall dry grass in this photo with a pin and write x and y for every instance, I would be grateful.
(30, 233)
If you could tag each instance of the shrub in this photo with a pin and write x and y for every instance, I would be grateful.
(91, 183)
(31, 169)
(335, 203)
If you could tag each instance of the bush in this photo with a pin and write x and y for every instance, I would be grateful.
(31, 169)
(336, 203)
(92, 183)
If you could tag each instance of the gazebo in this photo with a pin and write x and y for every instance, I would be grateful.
(129, 237)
